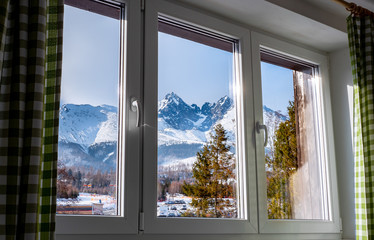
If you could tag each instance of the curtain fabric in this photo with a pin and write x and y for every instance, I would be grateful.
(30, 75)
(361, 44)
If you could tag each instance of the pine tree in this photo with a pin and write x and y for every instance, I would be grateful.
(282, 163)
(213, 174)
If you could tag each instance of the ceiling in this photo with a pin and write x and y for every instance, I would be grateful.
(320, 24)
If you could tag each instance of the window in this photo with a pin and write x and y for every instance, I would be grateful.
(294, 158)
(98, 181)
(197, 130)
(193, 97)
(188, 105)
(296, 169)
(89, 112)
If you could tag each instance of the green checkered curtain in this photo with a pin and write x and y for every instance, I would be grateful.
(30, 75)
(361, 44)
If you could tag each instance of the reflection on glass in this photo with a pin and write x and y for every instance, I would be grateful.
(88, 135)
(293, 164)
(196, 129)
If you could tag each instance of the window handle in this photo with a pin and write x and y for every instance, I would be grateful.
(136, 107)
(258, 129)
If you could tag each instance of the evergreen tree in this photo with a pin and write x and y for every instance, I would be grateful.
(282, 162)
(213, 174)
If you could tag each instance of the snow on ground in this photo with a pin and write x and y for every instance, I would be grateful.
(176, 205)
(87, 199)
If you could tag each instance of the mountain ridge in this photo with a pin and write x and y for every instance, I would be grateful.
(88, 134)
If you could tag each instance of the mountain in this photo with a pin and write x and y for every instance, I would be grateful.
(179, 115)
(88, 134)
(183, 129)
(270, 112)
(86, 124)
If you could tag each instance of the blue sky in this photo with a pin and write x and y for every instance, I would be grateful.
(196, 72)
(199, 73)
(90, 58)
(277, 87)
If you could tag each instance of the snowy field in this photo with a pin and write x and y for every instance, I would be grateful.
(88, 199)
(174, 206)
(178, 204)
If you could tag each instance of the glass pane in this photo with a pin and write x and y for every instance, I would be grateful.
(294, 168)
(88, 131)
(196, 128)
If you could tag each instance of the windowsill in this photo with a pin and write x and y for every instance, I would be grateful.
(284, 236)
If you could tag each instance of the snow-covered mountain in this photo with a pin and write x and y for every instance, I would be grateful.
(183, 129)
(86, 124)
(88, 134)
(179, 115)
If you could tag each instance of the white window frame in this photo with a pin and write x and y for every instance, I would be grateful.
(257, 226)
(129, 136)
(331, 225)
(153, 224)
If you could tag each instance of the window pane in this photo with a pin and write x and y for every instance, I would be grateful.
(196, 126)
(294, 167)
(88, 131)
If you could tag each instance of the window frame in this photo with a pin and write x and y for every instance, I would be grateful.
(332, 225)
(139, 163)
(128, 172)
(152, 224)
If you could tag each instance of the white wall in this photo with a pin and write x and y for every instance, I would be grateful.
(341, 100)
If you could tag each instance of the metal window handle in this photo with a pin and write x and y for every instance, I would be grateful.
(258, 129)
(136, 107)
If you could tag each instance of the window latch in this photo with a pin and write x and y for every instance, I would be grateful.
(136, 107)
(258, 129)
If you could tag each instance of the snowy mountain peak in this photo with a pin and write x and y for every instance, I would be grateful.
(205, 109)
(179, 115)
(277, 114)
(224, 100)
(86, 124)
(196, 108)
(173, 96)
(171, 99)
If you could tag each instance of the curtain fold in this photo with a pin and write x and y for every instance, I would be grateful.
(361, 44)
(30, 75)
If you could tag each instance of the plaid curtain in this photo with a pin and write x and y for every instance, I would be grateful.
(30, 75)
(361, 44)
